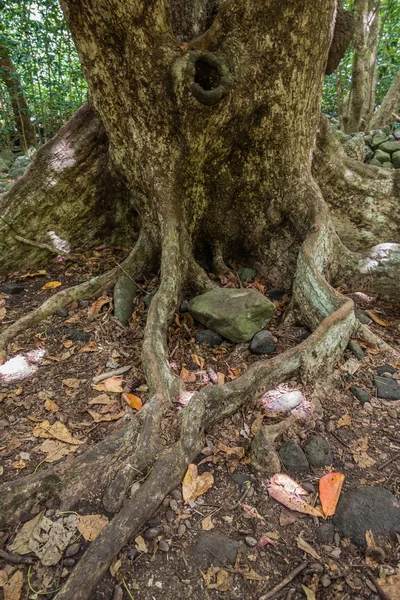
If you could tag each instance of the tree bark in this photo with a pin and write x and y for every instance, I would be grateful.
(8, 72)
(390, 105)
(359, 104)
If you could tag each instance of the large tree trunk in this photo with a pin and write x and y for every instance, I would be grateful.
(390, 105)
(200, 136)
(360, 103)
(8, 72)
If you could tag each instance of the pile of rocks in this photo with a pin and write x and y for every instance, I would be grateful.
(380, 147)
(11, 167)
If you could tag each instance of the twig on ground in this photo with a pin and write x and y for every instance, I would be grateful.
(285, 581)
(387, 463)
(14, 559)
(112, 373)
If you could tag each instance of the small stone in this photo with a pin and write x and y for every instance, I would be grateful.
(163, 546)
(275, 294)
(152, 534)
(360, 394)
(72, 550)
(50, 512)
(264, 457)
(316, 567)
(69, 562)
(132, 553)
(135, 488)
(387, 389)
(246, 274)
(177, 494)
(170, 516)
(337, 540)
(318, 452)
(326, 582)
(325, 533)
(356, 350)
(148, 298)
(392, 413)
(153, 522)
(184, 306)
(368, 407)
(11, 288)
(62, 312)
(293, 457)
(250, 541)
(209, 337)
(385, 369)
(336, 552)
(263, 343)
(309, 487)
(173, 505)
(181, 530)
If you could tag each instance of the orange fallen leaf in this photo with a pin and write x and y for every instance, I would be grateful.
(330, 486)
(50, 285)
(91, 525)
(96, 307)
(57, 431)
(187, 376)
(133, 401)
(51, 406)
(90, 347)
(195, 485)
(289, 493)
(378, 320)
(344, 421)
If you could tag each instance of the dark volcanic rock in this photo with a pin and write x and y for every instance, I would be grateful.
(214, 548)
(318, 452)
(387, 388)
(367, 508)
(356, 350)
(293, 457)
(209, 337)
(360, 394)
(263, 343)
(11, 288)
(385, 369)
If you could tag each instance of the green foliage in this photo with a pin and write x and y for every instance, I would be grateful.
(388, 59)
(45, 58)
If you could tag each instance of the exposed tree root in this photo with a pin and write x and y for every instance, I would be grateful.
(133, 264)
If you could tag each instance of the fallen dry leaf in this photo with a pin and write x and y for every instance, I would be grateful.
(51, 406)
(101, 399)
(359, 450)
(13, 587)
(289, 493)
(305, 546)
(51, 285)
(90, 347)
(251, 575)
(195, 485)
(378, 320)
(2, 309)
(391, 586)
(344, 421)
(111, 384)
(222, 579)
(35, 274)
(18, 464)
(252, 512)
(115, 567)
(56, 450)
(71, 383)
(20, 544)
(207, 524)
(220, 378)
(133, 401)
(310, 595)
(330, 486)
(199, 361)
(187, 376)
(105, 417)
(141, 544)
(91, 525)
(57, 431)
(96, 307)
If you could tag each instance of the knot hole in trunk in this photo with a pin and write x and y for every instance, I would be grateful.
(211, 79)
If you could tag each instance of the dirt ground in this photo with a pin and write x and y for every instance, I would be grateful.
(166, 560)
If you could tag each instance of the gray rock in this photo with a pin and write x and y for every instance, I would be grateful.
(62, 312)
(69, 562)
(369, 153)
(264, 457)
(293, 457)
(125, 291)
(367, 508)
(214, 548)
(368, 139)
(374, 162)
(152, 533)
(382, 156)
(318, 452)
(163, 546)
(355, 147)
(263, 343)
(148, 298)
(387, 389)
(235, 314)
(386, 129)
(363, 317)
(250, 541)
(385, 369)
(72, 550)
(356, 350)
(21, 162)
(396, 159)
(76, 335)
(8, 157)
(378, 139)
(396, 134)
(209, 337)
(325, 533)
(390, 147)
(360, 394)
(245, 274)
(15, 173)
(11, 288)
(387, 165)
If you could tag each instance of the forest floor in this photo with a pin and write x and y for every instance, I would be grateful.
(215, 546)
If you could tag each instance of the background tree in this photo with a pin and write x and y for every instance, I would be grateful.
(198, 150)
(390, 105)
